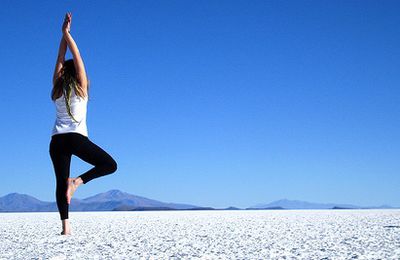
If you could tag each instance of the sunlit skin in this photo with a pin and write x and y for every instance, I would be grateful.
(68, 42)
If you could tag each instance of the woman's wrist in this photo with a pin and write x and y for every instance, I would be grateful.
(66, 34)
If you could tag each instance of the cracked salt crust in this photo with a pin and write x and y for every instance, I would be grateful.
(290, 234)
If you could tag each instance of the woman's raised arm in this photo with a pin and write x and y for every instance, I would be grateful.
(60, 60)
(78, 62)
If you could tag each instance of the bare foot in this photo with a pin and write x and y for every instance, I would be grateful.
(72, 186)
(65, 233)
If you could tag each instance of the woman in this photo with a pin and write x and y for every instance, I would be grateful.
(70, 136)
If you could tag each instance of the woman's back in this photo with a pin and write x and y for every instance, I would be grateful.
(64, 123)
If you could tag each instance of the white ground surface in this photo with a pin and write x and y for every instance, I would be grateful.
(294, 234)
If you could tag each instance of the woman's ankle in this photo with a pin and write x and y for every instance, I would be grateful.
(65, 222)
(78, 181)
(66, 228)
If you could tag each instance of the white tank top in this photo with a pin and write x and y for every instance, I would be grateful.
(64, 123)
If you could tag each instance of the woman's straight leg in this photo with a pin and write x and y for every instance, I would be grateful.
(61, 162)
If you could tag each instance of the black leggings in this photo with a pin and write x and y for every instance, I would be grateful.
(62, 147)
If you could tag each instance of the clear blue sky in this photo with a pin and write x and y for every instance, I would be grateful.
(214, 103)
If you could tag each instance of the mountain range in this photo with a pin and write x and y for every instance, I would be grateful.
(110, 200)
(298, 204)
(116, 200)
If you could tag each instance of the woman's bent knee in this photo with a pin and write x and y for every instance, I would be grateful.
(112, 166)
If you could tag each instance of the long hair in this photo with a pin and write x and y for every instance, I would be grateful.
(67, 83)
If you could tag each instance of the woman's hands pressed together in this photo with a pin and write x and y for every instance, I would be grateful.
(66, 28)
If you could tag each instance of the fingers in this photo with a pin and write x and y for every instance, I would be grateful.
(67, 22)
(68, 17)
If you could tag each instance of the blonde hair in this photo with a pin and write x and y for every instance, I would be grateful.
(67, 83)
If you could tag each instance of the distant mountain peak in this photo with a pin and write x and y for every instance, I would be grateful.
(18, 196)
(109, 196)
(115, 193)
(22, 202)
(13, 194)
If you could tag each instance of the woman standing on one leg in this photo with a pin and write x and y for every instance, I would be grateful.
(70, 136)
